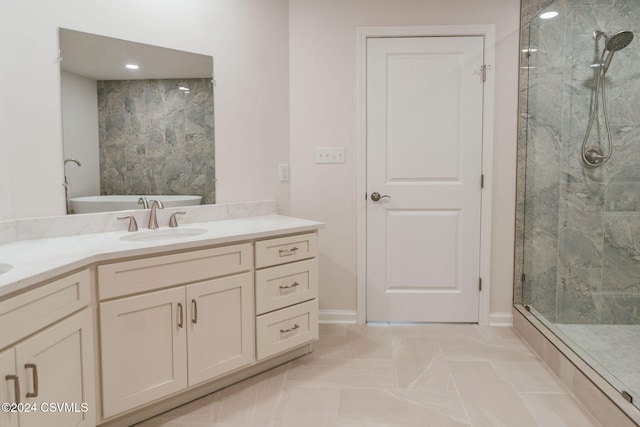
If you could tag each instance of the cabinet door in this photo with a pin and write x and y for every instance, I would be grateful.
(8, 389)
(56, 370)
(220, 326)
(143, 348)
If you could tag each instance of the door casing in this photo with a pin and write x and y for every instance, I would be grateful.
(488, 34)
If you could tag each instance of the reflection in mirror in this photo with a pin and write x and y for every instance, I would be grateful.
(137, 119)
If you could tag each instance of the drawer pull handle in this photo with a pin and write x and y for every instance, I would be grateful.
(293, 285)
(35, 379)
(180, 315)
(286, 331)
(287, 252)
(16, 386)
(194, 311)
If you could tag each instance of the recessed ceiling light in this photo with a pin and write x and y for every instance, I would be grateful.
(548, 15)
(183, 88)
(132, 66)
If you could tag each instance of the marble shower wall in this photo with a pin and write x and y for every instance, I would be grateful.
(580, 228)
(156, 138)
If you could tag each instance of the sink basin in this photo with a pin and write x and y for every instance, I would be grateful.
(165, 234)
(5, 267)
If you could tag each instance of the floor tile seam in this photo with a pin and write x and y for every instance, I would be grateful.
(462, 402)
(514, 392)
(280, 392)
(397, 394)
(338, 386)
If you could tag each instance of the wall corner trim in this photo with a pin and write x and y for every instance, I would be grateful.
(338, 316)
(501, 319)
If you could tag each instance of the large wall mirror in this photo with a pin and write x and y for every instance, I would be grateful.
(137, 121)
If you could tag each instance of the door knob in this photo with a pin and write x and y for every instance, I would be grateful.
(375, 196)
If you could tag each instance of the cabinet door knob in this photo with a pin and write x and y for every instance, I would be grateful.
(16, 385)
(34, 367)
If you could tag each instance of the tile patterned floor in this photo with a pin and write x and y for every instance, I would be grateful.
(413, 375)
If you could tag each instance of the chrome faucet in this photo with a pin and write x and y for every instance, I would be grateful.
(144, 202)
(153, 219)
(66, 182)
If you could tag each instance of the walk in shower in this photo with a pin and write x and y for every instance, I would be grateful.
(578, 240)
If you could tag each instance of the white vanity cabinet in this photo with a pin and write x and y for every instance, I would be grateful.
(286, 293)
(198, 327)
(46, 355)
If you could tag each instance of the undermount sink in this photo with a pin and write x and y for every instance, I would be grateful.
(5, 267)
(164, 234)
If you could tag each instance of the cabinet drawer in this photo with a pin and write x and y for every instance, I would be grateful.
(148, 274)
(285, 329)
(28, 312)
(286, 285)
(286, 249)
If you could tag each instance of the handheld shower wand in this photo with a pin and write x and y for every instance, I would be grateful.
(593, 155)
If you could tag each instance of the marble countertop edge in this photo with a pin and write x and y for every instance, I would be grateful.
(36, 262)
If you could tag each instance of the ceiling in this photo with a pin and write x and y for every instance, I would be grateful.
(104, 58)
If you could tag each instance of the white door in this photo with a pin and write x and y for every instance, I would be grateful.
(424, 150)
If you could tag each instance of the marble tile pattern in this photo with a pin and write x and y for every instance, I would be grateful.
(579, 228)
(397, 376)
(156, 138)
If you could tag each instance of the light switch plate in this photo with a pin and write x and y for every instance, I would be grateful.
(284, 172)
(329, 154)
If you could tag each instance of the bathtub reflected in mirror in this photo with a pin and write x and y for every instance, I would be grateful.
(92, 204)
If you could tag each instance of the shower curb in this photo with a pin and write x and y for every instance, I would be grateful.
(603, 401)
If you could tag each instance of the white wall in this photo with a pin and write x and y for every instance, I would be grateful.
(323, 112)
(80, 130)
(247, 38)
(256, 45)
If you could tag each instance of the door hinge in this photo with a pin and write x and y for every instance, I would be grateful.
(480, 283)
(523, 277)
(483, 73)
(482, 181)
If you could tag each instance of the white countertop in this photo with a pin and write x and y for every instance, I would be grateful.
(36, 261)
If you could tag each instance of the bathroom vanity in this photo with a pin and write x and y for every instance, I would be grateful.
(131, 328)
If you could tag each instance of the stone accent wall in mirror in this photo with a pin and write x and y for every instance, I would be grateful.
(145, 131)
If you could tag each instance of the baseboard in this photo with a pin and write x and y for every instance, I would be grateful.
(501, 319)
(337, 316)
(350, 316)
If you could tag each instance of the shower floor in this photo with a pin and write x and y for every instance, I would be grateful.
(616, 348)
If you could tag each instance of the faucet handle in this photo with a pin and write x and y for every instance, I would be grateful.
(133, 225)
(173, 222)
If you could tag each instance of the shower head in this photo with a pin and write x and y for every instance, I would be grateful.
(614, 43)
(618, 41)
